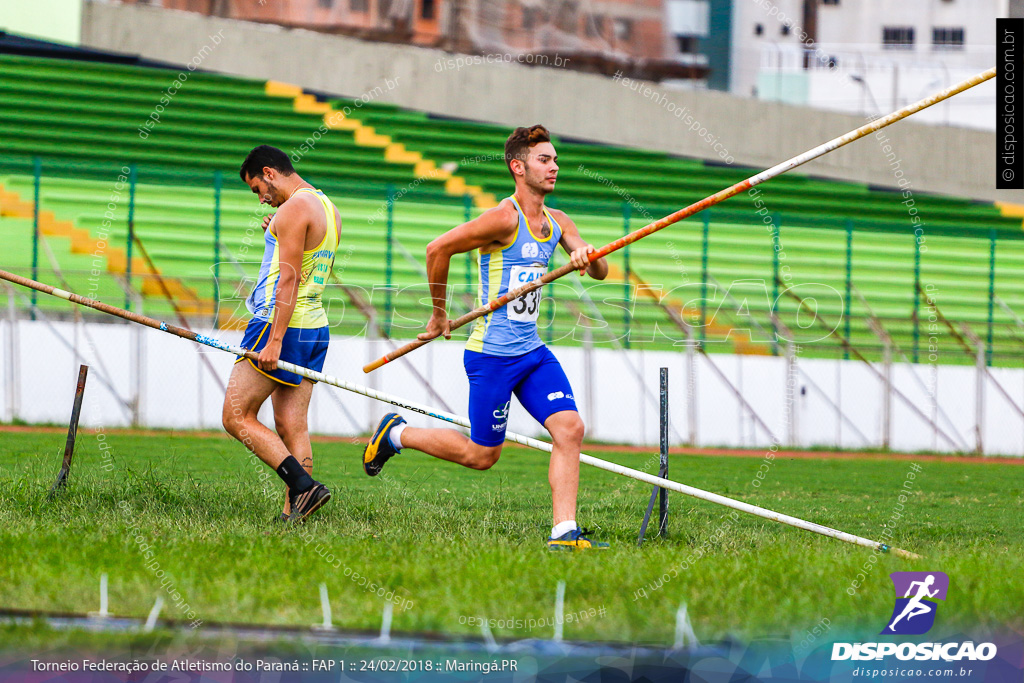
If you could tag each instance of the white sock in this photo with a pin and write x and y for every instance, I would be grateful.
(563, 528)
(395, 436)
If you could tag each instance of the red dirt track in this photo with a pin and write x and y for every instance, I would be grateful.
(593, 447)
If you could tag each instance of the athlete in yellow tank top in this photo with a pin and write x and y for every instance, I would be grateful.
(288, 323)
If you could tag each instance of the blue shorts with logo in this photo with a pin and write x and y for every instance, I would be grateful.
(304, 347)
(536, 378)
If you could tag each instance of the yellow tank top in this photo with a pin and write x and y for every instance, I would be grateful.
(316, 267)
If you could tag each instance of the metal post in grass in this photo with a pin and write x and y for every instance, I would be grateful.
(218, 180)
(916, 315)
(69, 443)
(849, 284)
(658, 492)
(389, 249)
(991, 292)
(626, 318)
(663, 471)
(37, 179)
(132, 174)
(705, 245)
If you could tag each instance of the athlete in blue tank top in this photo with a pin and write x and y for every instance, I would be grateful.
(504, 354)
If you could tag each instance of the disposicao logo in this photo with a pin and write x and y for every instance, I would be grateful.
(916, 593)
(914, 615)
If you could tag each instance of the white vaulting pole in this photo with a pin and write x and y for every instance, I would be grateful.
(457, 419)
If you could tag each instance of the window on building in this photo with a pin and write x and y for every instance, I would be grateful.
(624, 29)
(688, 44)
(529, 17)
(758, 29)
(898, 37)
(427, 9)
(948, 38)
(359, 5)
(786, 29)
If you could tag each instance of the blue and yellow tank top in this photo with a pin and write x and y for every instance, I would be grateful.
(512, 330)
(316, 266)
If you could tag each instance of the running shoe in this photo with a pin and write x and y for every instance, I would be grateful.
(380, 450)
(575, 540)
(309, 501)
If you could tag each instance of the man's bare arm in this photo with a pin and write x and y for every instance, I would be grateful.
(494, 226)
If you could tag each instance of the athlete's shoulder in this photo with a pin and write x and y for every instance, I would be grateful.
(503, 216)
(562, 218)
(506, 208)
(302, 201)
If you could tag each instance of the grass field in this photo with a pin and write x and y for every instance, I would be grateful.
(456, 544)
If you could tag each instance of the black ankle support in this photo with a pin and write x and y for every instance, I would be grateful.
(291, 473)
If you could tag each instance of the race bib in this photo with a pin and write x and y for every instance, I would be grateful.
(526, 308)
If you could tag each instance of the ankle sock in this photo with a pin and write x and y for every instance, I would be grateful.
(563, 528)
(292, 473)
(395, 436)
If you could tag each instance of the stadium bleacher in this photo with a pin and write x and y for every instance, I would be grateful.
(85, 126)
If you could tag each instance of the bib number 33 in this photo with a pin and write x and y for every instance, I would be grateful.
(525, 309)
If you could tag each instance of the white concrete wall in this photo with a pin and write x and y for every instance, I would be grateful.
(621, 406)
(758, 134)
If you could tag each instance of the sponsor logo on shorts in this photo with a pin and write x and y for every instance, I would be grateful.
(501, 415)
(555, 395)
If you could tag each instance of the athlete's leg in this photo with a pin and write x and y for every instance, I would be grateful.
(291, 410)
(448, 444)
(547, 395)
(566, 429)
(247, 390)
(491, 379)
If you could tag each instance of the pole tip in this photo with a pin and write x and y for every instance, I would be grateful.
(370, 367)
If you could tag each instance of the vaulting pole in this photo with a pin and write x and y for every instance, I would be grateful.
(716, 198)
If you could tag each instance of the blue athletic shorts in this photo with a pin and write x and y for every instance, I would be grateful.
(536, 378)
(306, 348)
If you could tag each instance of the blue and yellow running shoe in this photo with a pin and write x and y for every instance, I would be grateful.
(575, 540)
(380, 450)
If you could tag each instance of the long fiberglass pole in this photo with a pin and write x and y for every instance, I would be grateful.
(690, 210)
(455, 419)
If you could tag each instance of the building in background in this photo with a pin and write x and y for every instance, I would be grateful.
(860, 56)
(603, 36)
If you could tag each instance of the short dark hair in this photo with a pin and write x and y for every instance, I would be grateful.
(264, 156)
(521, 140)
